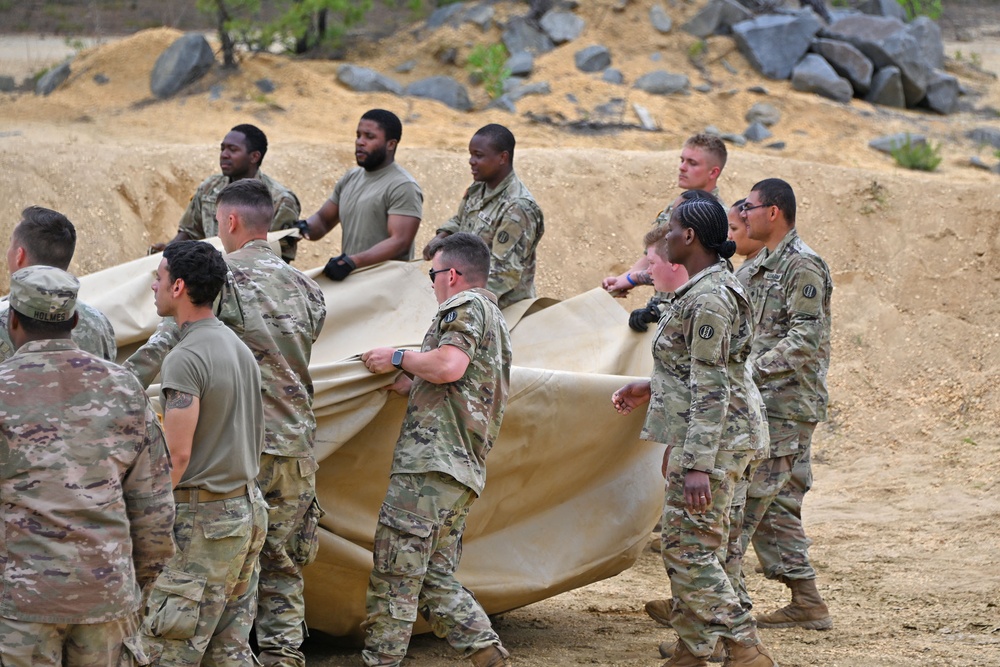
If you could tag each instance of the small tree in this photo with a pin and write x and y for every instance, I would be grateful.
(915, 8)
(921, 156)
(489, 65)
(300, 25)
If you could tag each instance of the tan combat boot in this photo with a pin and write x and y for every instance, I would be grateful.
(659, 611)
(807, 609)
(747, 656)
(718, 655)
(680, 656)
(491, 656)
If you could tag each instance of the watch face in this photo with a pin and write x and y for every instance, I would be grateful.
(397, 358)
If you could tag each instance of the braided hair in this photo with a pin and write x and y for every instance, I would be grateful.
(708, 220)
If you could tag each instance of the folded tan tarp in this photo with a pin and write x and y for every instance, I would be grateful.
(571, 492)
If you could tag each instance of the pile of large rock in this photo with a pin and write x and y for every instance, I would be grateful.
(871, 52)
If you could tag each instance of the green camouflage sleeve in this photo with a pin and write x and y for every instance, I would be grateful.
(286, 213)
(805, 296)
(707, 333)
(146, 361)
(512, 244)
(150, 504)
(191, 222)
(463, 326)
(6, 345)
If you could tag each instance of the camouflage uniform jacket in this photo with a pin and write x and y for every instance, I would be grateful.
(790, 290)
(511, 224)
(87, 512)
(199, 222)
(93, 333)
(450, 428)
(278, 312)
(701, 390)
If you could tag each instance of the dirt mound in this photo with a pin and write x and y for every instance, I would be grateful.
(905, 502)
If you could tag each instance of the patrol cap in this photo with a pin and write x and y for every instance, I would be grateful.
(44, 293)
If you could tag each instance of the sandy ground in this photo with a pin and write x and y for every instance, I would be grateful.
(904, 509)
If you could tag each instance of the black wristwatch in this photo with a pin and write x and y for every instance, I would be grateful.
(397, 359)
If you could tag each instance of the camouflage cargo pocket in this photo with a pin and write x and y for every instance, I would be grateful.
(402, 546)
(133, 653)
(174, 605)
(304, 543)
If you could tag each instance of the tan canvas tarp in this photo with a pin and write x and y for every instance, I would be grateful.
(571, 493)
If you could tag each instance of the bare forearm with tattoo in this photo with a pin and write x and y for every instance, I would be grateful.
(642, 278)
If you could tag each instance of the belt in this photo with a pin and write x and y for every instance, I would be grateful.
(195, 496)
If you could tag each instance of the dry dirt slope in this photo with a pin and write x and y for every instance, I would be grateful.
(904, 510)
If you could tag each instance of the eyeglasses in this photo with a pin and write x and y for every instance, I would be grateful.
(746, 208)
(433, 274)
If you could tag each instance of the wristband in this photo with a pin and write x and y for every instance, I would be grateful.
(628, 277)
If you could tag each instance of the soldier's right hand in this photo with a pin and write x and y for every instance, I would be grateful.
(155, 248)
(641, 318)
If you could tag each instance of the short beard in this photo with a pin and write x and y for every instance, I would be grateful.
(374, 160)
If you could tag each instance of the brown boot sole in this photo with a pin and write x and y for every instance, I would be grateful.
(818, 624)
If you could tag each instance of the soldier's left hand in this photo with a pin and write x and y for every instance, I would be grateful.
(697, 491)
(339, 268)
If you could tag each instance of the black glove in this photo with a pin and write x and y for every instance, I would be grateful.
(303, 227)
(338, 268)
(640, 318)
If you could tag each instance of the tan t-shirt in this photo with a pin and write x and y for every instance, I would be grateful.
(367, 199)
(212, 363)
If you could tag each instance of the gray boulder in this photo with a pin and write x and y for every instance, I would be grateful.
(7, 84)
(480, 15)
(985, 136)
(443, 89)
(521, 35)
(364, 80)
(536, 88)
(717, 17)
(815, 75)
(890, 8)
(662, 82)
(763, 113)
(928, 35)
(978, 163)
(52, 79)
(265, 86)
(848, 61)
(887, 88)
(520, 64)
(890, 142)
(661, 21)
(775, 43)
(886, 41)
(757, 132)
(185, 61)
(562, 27)
(612, 75)
(942, 92)
(443, 15)
(593, 58)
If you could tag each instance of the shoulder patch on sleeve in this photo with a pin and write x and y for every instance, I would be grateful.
(807, 297)
(708, 329)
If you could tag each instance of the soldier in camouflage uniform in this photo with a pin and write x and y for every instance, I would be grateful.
(240, 156)
(456, 402)
(85, 480)
(278, 312)
(499, 209)
(790, 287)
(700, 373)
(201, 606)
(702, 160)
(48, 238)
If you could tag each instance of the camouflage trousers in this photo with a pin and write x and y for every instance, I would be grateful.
(705, 606)
(289, 487)
(735, 548)
(201, 607)
(773, 520)
(418, 545)
(111, 644)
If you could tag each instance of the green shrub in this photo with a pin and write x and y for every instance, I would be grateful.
(915, 8)
(488, 63)
(920, 156)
